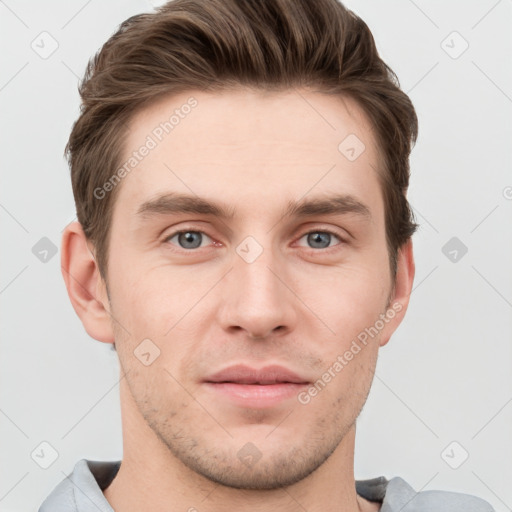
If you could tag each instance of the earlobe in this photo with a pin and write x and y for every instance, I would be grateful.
(84, 284)
(403, 287)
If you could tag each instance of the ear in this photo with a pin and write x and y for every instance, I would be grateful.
(86, 288)
(403, 286)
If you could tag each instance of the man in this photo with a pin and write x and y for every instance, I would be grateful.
(244, 241)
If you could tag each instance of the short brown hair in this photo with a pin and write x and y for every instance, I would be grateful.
(220, 44)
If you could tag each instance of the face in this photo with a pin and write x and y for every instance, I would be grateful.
(275, 262)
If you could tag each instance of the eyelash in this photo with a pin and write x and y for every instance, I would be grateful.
(312, 249)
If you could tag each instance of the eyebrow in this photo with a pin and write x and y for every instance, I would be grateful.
(174, 203)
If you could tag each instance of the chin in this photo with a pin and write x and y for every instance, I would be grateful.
(249, 468)
(268, 476)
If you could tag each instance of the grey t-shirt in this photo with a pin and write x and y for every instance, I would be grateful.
(82, 491)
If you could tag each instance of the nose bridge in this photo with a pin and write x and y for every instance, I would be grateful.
(258, 302)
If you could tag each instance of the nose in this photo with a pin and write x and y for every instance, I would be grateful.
(257, 298)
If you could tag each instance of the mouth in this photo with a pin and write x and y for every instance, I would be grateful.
(249, 387)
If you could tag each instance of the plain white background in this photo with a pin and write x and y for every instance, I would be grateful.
(443, 385)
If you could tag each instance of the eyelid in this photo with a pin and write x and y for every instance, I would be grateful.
(323, 229)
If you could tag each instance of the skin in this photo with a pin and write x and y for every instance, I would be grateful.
(298, 304)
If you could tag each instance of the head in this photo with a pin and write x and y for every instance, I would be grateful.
(291, 138)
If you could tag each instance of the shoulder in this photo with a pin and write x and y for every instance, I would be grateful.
(397, 495)
(62, 496)
(401, 496)
(82, 489)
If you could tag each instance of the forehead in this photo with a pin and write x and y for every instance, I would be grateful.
(241, 143)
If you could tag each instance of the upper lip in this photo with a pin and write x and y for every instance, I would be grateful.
(242, 374)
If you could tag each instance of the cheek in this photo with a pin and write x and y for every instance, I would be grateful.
(349, 299)
(151, 300)
(350, 306)
(341, 390)
(157, 310)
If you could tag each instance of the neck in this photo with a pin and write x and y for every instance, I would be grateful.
(152, 478)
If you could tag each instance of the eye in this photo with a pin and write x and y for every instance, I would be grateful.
(320, 239)
(192, 239)
(188, 239)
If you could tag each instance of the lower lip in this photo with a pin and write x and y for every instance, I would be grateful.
(256, 395)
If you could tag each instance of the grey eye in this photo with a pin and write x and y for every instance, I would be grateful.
(319, 239)
(188, 239)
